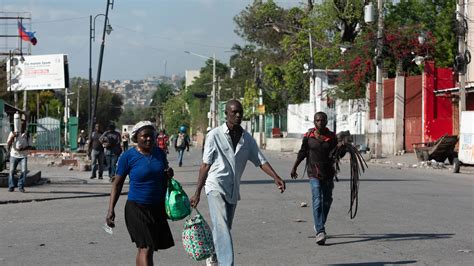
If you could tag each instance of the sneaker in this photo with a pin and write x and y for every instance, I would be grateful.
(212, 261)
(22, 190)
(10, 189)
(101, 177)
(92, 177)
(321, 238)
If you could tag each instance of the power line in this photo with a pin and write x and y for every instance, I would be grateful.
(171, 39)
(60, 20)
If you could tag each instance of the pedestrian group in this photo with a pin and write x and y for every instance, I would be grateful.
(226, 151)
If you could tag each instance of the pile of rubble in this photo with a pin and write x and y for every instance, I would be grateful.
(430, 164)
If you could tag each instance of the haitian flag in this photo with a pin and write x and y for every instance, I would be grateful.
(26, 35)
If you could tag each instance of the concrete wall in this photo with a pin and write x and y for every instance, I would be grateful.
(350, 115)
(300, 118)
(283, 144)
(388, 135)
(399, 113)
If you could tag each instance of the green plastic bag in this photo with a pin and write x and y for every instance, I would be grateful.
(177, 203)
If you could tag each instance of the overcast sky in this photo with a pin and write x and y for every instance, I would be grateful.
(146, 33)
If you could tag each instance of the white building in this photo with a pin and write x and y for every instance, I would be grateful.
(190, 76)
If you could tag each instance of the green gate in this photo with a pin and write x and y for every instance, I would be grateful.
(46, 133)
(73, 134)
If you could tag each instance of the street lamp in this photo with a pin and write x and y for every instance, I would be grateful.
(213, 118)
(107, 29)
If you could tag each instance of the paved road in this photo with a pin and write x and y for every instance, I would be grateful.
(406, 216)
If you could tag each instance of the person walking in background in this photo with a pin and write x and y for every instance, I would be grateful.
(96, 153)
(111, 142)
(162, 141)
(227, 150)
(125, 139)
(145, 216)
(18, 144)
(81, 140)
(181, 143)
(316, 147)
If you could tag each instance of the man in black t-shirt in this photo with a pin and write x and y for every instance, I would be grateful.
(111, 142)
(96, 152)
(316, 148)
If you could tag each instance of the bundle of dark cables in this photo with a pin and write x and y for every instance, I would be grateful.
(357, 166)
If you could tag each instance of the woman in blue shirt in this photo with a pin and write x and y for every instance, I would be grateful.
(145, 215)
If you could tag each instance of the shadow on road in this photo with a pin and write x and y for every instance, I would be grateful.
(306, 180)
(88, 195)
(387, 237)
(68, 192)
(378, 263)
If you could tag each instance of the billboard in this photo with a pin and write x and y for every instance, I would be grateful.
(37, 72)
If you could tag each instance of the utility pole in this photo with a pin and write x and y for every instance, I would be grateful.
(165, 68)
(379, 81)
(260, 104)
(90, 115)
(313, 97)
(77, 103)
(101, 56)
(213, 100)
(462, 50)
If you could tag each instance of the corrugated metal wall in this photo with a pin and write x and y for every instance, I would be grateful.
(413, 103)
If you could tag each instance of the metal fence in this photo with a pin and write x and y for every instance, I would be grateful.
(45, 134)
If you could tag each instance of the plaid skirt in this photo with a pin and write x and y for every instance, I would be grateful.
(148, 226)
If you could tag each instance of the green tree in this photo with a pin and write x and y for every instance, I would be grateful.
(434, 18)
(404, 22)
(176, 114)
(252, 23)
(203, 86)
(163, 92)
(250, 100)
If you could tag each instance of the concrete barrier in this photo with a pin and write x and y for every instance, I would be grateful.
(283, 144)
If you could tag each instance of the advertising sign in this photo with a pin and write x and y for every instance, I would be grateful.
(36, 72)
(466, 138)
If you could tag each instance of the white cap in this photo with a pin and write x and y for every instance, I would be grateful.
(208, 129)
(139, 126)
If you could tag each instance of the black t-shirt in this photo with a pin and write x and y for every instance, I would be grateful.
(96, 144)
(235, 135)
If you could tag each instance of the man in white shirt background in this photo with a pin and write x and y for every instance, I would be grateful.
(18, 143)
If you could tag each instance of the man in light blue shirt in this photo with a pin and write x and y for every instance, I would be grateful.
(226, 152)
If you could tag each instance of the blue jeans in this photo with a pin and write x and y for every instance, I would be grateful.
(97, 158)
(180, 156)
(322, 199)
(14, 161)
(111, 160)
(222, 215)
